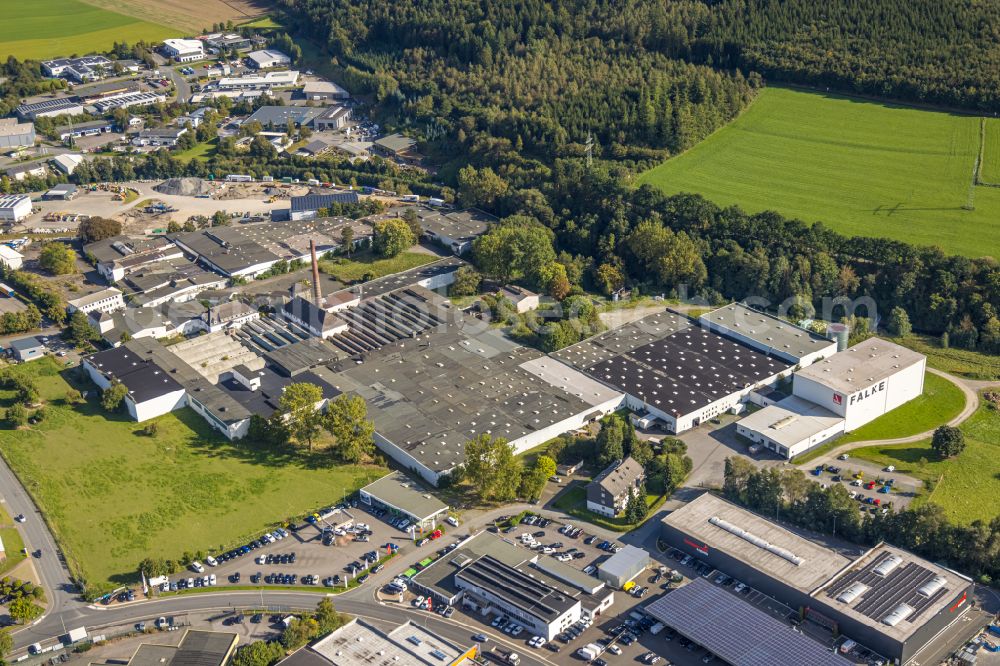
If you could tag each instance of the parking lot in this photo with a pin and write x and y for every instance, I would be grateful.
(334, 547)
(875, 493)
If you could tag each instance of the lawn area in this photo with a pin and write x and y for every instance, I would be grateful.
(12, 542)
(862, 168)
(940, 402)
(966, 486)
(66, 27)
(114, 496)
(961, 362)
(989, 170)
(200, 151)
(574, 502)
(354, 269)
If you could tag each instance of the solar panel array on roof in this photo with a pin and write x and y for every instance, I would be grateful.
(889, 584)
(735, 631)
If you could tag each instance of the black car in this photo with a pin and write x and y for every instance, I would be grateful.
(257, 618)
(235, 578)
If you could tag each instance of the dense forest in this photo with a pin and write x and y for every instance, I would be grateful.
(504, 93)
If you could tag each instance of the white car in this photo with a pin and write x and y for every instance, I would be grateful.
(843, 456)
(211, 561)
(197, 567)
(890, 468)
(211, 579)
(418, 602)
(739, 587)
(615, 650)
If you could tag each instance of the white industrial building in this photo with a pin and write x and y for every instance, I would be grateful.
(10, 258)
(265, 81)
(268, 59)
(14, 207)
(184, 50)
(674, 372)
(836, 395)
(107, 300)
(768, 334)
(67, 163)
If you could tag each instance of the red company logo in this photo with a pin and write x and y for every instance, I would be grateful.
(961, 600)
(701, 548)
(838, 399)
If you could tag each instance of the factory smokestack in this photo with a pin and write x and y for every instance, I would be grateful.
(316, 295)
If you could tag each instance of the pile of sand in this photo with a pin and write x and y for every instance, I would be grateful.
(187, 187)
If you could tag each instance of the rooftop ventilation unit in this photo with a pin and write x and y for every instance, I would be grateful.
(933, 585)
(887, 565)
(757, 541)
(898, 614)
(853, 592)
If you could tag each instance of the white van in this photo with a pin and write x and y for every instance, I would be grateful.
(451, 521)
(197, 567)
(211, 561)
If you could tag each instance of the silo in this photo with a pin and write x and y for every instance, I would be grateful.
(840, 333)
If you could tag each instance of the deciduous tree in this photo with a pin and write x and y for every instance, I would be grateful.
(347, 420)
(298, 406)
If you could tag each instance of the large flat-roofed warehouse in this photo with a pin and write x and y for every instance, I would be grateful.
(673, 370)
(431, 394)
(250, 249)
(768, 334)
(886, 599)
(490, 574)
(201, 648)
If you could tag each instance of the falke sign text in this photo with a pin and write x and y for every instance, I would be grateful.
(867, 393)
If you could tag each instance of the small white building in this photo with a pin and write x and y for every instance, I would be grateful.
(107, 300)
(67, 163)
(184, 50)
(231, 315)
(14, 207)
(268, 59)
(623, 566)
(10, 258)
(164, 136)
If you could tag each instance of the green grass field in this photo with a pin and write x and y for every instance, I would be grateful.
(966, 486)
(351, 270)
(200, 151)
(13, 544)
(114, 496)
(65, 27)
(961, 362)
(940, 402)
(862, 168)
(989, 170)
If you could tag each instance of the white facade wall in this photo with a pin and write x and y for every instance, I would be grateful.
(111, 303)
(810, 358)
(96, 375)
(534, 625)
(574, 422)
(868, 402)
(239, 322)
(15, 209)
(795, 449)
(149, 409)
(601, 509)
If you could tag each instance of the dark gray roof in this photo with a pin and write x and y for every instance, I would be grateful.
(280, 115)
(265, 400)
(619, 475)
(736, 631)
(300, 356)
(685, 370)
(317, 201)
(316, 146)
(517, 588)
(25, 344)
(133, 366)
(395, 143)
(307, 311)
(47, 106)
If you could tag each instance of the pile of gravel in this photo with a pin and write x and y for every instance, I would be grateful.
(188, 187)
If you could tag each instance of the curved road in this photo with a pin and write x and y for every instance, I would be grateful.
(971, 405)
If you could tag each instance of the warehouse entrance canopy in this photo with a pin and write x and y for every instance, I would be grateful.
(735, 631)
